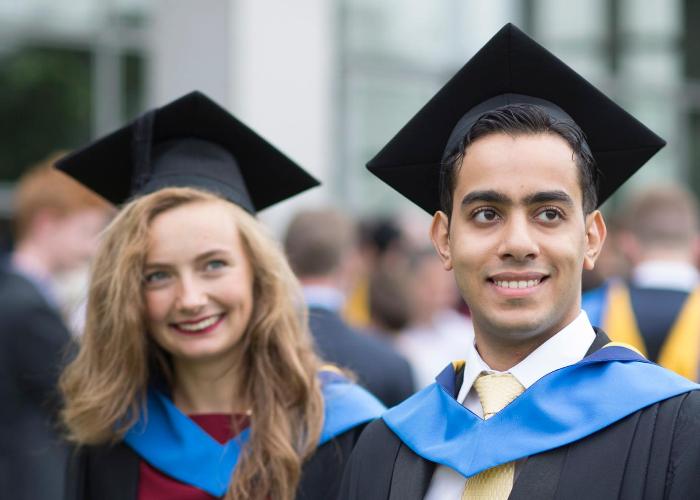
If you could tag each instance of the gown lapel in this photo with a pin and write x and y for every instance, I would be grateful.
(113, 474)
(540, 474)
(600, 341)
(411, 476)
(412, 473)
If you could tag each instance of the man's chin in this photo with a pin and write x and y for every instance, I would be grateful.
(516, 331)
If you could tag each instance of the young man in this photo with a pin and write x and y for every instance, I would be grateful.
(544, 407)
(56, 226)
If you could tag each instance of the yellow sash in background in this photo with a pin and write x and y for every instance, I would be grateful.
(681, 350)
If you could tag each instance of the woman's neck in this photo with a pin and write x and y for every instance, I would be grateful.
(206, 387)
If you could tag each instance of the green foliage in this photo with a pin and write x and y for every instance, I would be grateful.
(45, 102)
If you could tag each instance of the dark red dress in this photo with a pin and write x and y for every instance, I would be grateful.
(154, 485)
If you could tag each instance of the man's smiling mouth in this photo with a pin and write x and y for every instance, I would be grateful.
(517, 284)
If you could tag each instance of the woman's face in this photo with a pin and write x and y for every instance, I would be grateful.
(198, 282)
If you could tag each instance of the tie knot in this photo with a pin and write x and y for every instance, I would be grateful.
(496, 391)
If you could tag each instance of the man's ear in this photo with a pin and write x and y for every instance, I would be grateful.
(440, 235)
(595, 237)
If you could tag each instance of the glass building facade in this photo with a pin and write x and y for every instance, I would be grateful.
(72, 70)
(645, 54)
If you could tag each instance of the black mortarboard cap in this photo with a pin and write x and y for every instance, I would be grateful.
(190, 142)
(511, 67)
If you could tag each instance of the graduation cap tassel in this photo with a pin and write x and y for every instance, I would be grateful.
(141, 150)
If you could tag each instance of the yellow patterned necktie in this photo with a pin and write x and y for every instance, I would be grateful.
(495, 392)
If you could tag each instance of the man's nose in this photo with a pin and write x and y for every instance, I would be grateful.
(518, 240)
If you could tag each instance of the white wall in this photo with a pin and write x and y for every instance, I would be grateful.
(189, 48)
(270, 62)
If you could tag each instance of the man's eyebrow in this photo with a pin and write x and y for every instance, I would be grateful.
(549, 197)
(486, 196)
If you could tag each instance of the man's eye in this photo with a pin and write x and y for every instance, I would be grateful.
(549, 215)
(485, 215)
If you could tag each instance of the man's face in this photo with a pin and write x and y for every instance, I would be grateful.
(518, 239)
(74, 237)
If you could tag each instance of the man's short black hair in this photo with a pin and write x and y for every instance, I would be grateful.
(518, 119)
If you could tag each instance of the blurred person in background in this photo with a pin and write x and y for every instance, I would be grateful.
(382, 251)
(389, 302)
(196, 376)
(437, 333)
(658, 309)
(321, 246)
(56, 224)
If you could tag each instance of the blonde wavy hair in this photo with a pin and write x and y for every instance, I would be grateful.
(105, 386)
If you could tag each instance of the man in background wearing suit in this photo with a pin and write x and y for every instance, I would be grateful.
(658, 309)
(320, 246)
(56, 223)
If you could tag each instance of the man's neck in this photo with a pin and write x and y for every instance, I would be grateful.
(32, 260)
(502, 356)
(502, 352)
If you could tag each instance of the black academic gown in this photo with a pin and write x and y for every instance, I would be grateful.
(112, 472)
(652, 454)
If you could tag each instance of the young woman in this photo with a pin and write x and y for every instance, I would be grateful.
(196, 377)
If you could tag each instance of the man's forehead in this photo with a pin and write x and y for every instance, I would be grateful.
(499, 143)
(501, 158)
(515, 177)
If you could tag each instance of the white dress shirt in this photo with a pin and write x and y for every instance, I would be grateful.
(668, 275)
(565, 348)
(430, 347)
(323, 297)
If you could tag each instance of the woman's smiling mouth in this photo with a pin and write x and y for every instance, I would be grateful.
(199, 326)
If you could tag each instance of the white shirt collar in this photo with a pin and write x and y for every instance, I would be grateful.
(323, 297)
(663, 274)
(565, 348)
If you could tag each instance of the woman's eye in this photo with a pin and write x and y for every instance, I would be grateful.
(215, 264)
(549, 215)
(485, 215)
(156, 276)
